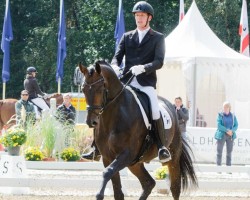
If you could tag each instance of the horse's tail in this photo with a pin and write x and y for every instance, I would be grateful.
(186, 164)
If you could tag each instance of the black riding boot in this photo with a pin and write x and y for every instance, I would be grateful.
(163, 153)
(92, 155)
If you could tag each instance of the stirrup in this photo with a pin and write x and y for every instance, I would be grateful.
(162, 150)
(92, 155)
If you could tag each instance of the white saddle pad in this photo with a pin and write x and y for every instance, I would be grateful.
(165, 115)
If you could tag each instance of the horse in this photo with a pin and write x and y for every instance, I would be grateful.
(7, 112)
(7, 109)
(58, 97)
(114, 112)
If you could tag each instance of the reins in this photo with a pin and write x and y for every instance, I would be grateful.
(105, 105)
(119, 93)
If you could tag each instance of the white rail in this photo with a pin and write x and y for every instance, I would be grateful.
(226, 183)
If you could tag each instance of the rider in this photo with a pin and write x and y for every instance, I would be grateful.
(144, 50)
(31, 85)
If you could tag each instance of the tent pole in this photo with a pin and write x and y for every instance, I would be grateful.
(194, 94)
(78, 103)
(4, 89)
(59, 85)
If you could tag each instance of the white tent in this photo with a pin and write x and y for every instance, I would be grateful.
(205, 71)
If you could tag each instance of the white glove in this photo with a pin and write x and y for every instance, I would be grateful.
(45, 96)
(137, 69)
(117, 70)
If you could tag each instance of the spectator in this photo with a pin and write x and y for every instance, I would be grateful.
(227, 125)
(26, 115)
(66, 112)
(182, 115)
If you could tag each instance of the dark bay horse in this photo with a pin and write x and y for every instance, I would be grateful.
(7, 108)
(114, 112)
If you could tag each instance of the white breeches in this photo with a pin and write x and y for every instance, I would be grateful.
(152, 94)
(40, 103)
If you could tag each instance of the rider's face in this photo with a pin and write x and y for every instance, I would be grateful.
(34, 74)
(142, 20)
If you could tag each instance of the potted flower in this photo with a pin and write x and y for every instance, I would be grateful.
(12, 139)
(33, 154)
(70, 154)
(162, 173)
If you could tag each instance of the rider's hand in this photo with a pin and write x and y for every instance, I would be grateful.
(45, 96)
(117, 70)
(137, 69)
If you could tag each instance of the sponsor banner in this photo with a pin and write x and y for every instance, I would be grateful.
(204, 146)
(78, 101)
(82, 103)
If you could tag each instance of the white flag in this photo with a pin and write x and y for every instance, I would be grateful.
(181, 13)
(243, 30)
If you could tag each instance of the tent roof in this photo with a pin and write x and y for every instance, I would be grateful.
(193, 39)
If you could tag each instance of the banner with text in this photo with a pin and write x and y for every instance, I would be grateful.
(204, 146)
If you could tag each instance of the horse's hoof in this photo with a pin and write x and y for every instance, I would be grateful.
(99, 197)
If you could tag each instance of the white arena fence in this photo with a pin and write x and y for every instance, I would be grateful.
(239, 180)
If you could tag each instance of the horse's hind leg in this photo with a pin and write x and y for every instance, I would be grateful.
(147, 182)
(175, 178)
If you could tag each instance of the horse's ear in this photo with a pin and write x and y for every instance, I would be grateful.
(83, 68)
(98, 67)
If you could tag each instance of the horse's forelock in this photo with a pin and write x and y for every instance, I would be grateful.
(91, 70)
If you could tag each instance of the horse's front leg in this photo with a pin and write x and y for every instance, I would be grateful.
(111, 171)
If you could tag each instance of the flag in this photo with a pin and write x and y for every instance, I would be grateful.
(120, 26)
(243, 30)
(61, 50)
(7, 36)
(181, 12)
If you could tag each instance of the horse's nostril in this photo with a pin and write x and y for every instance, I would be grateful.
(94, 123)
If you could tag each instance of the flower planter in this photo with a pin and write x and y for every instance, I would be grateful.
(14, 151)
(49, 159)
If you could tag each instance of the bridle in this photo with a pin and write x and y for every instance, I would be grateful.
(105, 102)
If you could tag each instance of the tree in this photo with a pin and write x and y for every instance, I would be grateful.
(90, 33)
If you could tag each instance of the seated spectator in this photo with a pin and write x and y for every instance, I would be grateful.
(66, 112)
(25, 111)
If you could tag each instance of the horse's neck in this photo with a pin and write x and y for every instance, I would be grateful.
(123, 98)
